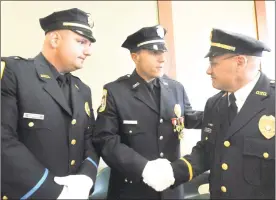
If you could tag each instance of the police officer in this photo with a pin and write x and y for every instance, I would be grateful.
(140, 122)
(238, 135)
(47, 117)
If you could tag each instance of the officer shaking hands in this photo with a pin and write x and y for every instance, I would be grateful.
(141, 120)
(47, 118)
(238, 135)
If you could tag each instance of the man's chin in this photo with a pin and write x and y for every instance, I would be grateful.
(159, 75)
(80, 66)
(214, 84)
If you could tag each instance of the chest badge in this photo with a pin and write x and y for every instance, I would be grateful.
(267, 126)
(103, 102)
(87, 109)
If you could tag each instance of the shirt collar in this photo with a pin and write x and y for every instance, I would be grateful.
(242, 93)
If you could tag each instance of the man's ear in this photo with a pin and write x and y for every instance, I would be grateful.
(135, 57)
(241, 60)
(54, 39)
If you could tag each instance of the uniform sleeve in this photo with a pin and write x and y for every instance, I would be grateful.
(107, 140)
(23, 176)
(193, 119)
(190, 166)
(91, 159)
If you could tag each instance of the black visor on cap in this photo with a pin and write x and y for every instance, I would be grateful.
(87, 34)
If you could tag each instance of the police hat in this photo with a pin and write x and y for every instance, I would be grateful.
(151, 38)
(73, 19)
(223, 42)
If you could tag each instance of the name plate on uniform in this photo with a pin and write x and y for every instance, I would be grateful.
(33, 116)
(130, 122)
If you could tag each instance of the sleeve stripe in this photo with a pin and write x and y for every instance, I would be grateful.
(37, 186)
(89, 159)
(189, 168)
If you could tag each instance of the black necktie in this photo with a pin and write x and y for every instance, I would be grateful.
(151, 86)
(232, 109)
(64, 83)
(155, 91)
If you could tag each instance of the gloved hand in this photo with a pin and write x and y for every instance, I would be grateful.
(75, 186)
(158, 174)
(65, 194)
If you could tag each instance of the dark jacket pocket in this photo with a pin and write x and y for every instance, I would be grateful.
(33, 124)
(256, 154)
(131, 129)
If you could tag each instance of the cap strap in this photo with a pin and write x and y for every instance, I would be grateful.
(224, 46)
(150, 42)
(76, 25)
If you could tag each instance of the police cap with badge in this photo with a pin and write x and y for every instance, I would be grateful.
(73, 19)
(224, 42)
(150, 38)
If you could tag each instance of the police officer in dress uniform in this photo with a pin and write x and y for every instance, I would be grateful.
(140, 122)
(46, 115)
(238, 135)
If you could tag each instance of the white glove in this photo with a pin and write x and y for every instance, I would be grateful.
(64, 193)
(158, 174)
(75, 186)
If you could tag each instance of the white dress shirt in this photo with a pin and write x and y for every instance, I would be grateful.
(242, 93)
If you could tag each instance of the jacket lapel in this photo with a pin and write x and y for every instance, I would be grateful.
(166, 103)
(75, 97)
(219, 113)
(252, 106)
(50, 85)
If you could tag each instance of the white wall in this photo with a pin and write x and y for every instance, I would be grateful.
(21, 34)
(268, 66)
(193, 21)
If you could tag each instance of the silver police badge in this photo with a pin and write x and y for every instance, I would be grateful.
(160, 32)
(90, 20)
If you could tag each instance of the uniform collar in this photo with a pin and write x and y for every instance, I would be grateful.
(139, 80)
(242, 93)
(54, 71)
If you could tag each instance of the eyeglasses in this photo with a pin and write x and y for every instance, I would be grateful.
(212, 64)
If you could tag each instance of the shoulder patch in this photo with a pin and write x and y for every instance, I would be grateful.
(3, 65)
(103, 102)
(87, 109)
(123, 77)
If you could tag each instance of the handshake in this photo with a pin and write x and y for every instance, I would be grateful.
(74, 186)
(158, 174)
